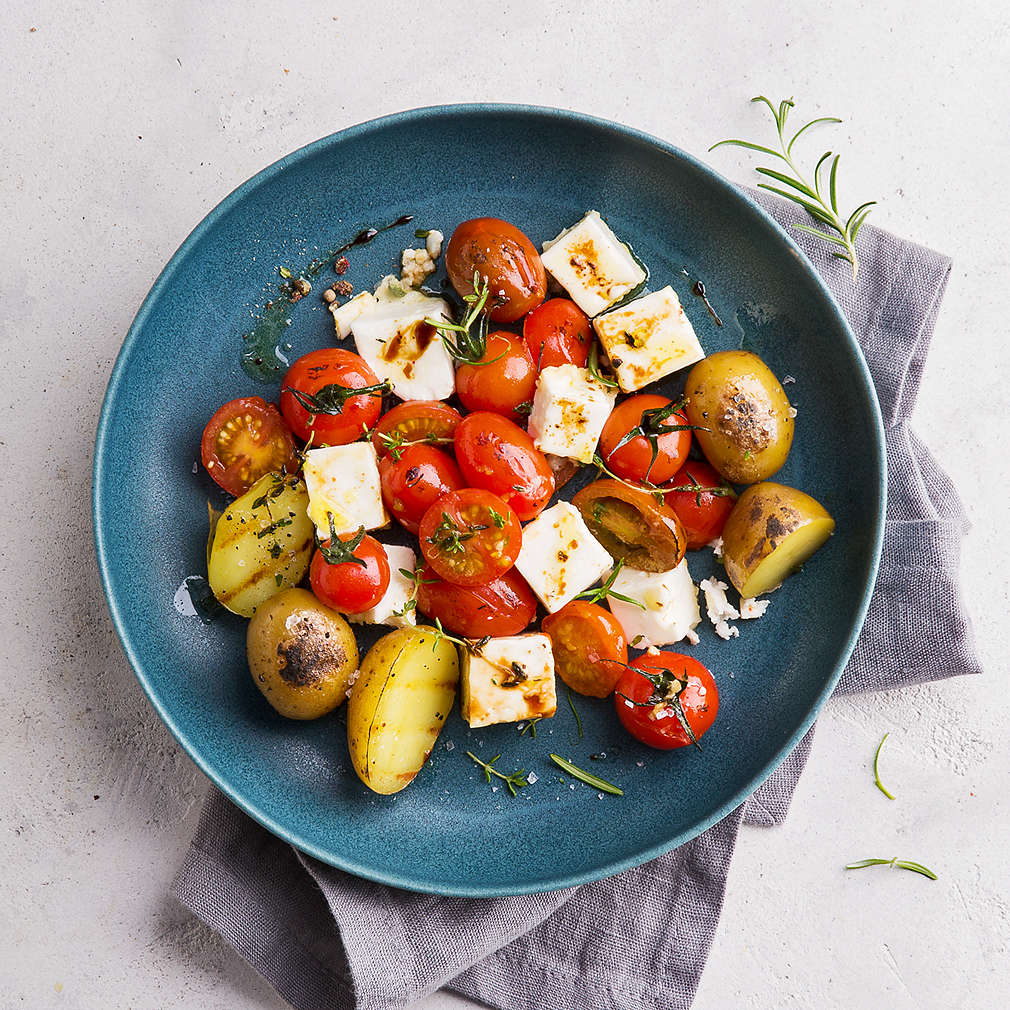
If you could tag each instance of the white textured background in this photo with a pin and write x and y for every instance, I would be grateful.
(124, 122)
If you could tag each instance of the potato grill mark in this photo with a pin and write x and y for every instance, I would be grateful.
(310, 654)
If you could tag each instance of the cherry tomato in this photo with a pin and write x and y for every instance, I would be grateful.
(495, 454)
(416, 421)
(634, 460)
(506, 380)
(470, 537)
(503, 606)
(500, 253)
(244, 440)
(323, 378)
(558, 333)
(705, 504)
(589, 647)
(351, 575)
(413, 478)
(648, 707)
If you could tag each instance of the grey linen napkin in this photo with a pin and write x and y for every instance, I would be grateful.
(639, 940)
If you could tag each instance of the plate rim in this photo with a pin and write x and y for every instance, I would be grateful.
(476, 109)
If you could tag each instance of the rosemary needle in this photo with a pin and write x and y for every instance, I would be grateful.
(902, 864)
(588, 777)
(876, 773)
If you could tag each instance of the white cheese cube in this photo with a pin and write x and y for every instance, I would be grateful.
(592, 264)
(720, 610)
(671, 606)
(400, 346)
(392, 609)
(559, 556)
(344, 315)
(344, 480)
(511, 679)
(569, 411)
(648, 338)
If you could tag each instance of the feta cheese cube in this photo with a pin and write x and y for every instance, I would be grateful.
(569, 411)
(392, 609)
(720, 610)
(648, 338)
(592, 264)
(344, 315)
(400, 346)
(559, 556)
(671, 606)
(344, 480)
(511, 679)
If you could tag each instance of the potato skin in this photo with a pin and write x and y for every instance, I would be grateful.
(301, 654)
(735, 395)
(771, 531)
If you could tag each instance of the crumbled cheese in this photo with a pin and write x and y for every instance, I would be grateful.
(415, 265)
(751, 609)
(720, 610)
(716, 546)
(433, 243)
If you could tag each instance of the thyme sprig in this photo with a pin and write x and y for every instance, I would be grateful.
(657, 492)
(901, 864)
(588, 777)
(396, 441)
(330, 399)
(651, 426)
(517, 780)
(876, 774)
(416, 582)
(340, 552)
(467, 341)
(605, 590)
(820, 205)
(698, 489)
(666, 689)
(448, 537)
(475, 646)
(593, 366)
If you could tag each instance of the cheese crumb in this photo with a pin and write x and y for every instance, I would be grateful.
(433, 243)
(751, 609)
(720, 610)
(416, 265)
(716, 546)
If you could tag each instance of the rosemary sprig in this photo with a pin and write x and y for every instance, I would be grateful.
(340, 552)
(651, 427)
(588, 777)
(464, 341)
(822, 207)
(901, 864)
(530, 726)
(575, 712)
(876, 774)
(512, 782)
(474, 646)
(330, 399)
(596, 595)
(593, 366)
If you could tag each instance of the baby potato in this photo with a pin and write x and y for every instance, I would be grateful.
(398, 706)
(301, 654)
(745, 409)
(771, 531)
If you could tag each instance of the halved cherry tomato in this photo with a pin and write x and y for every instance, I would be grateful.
(429, 421)
(244, 440)
(351, 575)
(648, 705)
(415, 477)
(316, 401)
(506, 380)
(633, 526)
(558, 332)
(500, 253)
(503, 606)
(658, 451)
(470, 537)
(704, 505)
(589, 647)
(495, 454)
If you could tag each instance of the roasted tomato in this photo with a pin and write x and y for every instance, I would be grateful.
(470, 537)
(502, 255)
(244, 440)
(413, 478)
(633, 526)
(666, 701)
(495, 454)
(331, 396)
(503, 606)
(350, 572)
(558, 333)
(590, 650)
(504, 379)
(645, 438)
(429, 421)
(702, 501)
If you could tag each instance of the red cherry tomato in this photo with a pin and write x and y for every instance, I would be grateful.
(507, 379)
(558, 333)
(503, 606)
(704, 505)
(244, 440)
(634, 460)
(470, 537)
(495, 454)
(352, 575)
(647, 707)
(428, 421)
(415, 477)
(505, 257)
(323, 378)
(589, 647)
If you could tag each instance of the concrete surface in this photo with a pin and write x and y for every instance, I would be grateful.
(124, 123)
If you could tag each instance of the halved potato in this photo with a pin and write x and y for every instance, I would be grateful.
(771, 531)
(403, 695)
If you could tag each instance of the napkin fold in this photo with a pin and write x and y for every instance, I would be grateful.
(638, 940)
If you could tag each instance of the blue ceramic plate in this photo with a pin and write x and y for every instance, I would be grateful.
(449, 831)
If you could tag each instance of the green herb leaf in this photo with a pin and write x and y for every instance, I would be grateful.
(530, 726)
(340, 552)
(593, 366)
(901, 864)
(284, 272)
(575, 712)
(517, 780)
(876, 774)
(467, 341)
(596, 595)
(588, 777)
(330, 399)
(422, 232)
